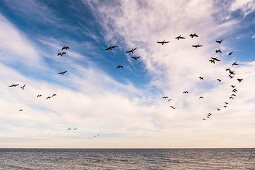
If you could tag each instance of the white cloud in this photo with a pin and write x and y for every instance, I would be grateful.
(253, 36)
(246, 6)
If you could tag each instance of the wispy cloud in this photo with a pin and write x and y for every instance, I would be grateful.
(246, 6)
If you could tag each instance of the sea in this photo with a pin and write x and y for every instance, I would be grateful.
(72, 159)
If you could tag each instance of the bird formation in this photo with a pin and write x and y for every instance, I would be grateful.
(62, 73)
(212, 60)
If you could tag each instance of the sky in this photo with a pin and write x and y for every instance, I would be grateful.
(124, 108)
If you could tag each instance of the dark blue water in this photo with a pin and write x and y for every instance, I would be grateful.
(127, 159)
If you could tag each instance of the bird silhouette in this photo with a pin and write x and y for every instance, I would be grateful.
(225, 106)
(179, 37)
(120, 66)
(233, 86)
(136, 58)
(13, 85)
(65, 48)
(219, 80)
(215, 58)
(23, 87)
(226, 103)
(230, 53)
(201, 97)
(165, 97)
(219, 41)
(111, 47)
(218, 109)
(196, 46)
(239, 80)
(162, 42)
(61, 54)
(193, 35)
(63, 72)
(48, 97)
(20, 110)
(185, 92)
(169, 100)
(54, 95)
(132, 50)
(218, 51)
(235, 64)
(212, 61)
(173, 107)
(201, 78)
(39, 95)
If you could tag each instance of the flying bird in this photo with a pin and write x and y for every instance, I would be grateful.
(65, 48)
(61, 54)
(235, 64)
(196, 46)
(54, 95)
(136, 58)
(201, 78)
(234, 90)
(13, 85)
(193, 35)
(75, 129)
(173, 107)
(23, 87)
(63, 72)
(132, 50)
(162, 42)
(169, 100)
(239, 80)
(219, 41)
(230, 76)
(219, 80)
(212, 61)
(165, 97)
(48, 97)
(120, 66)
(231, 97)
(69, 129)
(111, 47)
(226, 103)
(180, 37)
(233, 86)
(215, 58)
(230, 53)
(39, 95)
(20, 110)
(204, 119)
(201, 97)
(185, 92)
(218, 51)
(225, 106)
(218, 109)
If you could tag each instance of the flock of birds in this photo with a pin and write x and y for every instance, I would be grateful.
(213, 60)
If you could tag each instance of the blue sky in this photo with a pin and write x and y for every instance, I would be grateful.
(125, 106)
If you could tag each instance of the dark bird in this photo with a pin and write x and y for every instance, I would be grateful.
(75, 129)
(23, 87)
(61, 54)
(225, 106)
(132, 50)
(231, 72)
(196, 46)
(219, 80)
(218, 51)
(193, 35)
(69, 129)
(204, 119)
(215, 58)
(162, 42)
(165, 97)
(230, 53)
(180, 37)
(65, 48)
(239, 80)
(226, 103)
(201, 97)
(120, 66)
(230, 76)
(227, 69)
(173, 107)
(218, 109)
(235, 64)
(185, 92)
(136, 58)
(63, 72)
(39, 95)
(201, 78)
(54, 95)
(20, 110)
(169, 100)
(13, 85)
(234, 90)
(231, 97)
(48, 97)
(219, 41)
(233, 86)
(110, 48)
(212, 61)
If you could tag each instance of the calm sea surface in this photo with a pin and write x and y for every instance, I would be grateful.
(127, 159)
